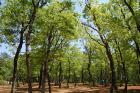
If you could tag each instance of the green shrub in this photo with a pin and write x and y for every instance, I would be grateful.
(2, 82)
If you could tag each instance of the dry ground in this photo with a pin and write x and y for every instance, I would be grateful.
(64, 89)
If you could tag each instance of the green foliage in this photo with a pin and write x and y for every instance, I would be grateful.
(13, 15)
(58, 21)
(5, 68)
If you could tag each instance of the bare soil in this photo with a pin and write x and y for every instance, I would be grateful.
(64, 89)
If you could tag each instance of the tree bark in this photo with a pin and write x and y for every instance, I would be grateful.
(75, 79)
(118, 68)
(49, 80)
(45, 71)
(89, 52)
(15, 62)
(40, 76)
(28, 64)
(28, 38)
(82, 75)
(123, 66)
(69, 71)
(56, 76)
(89, 66)
(60, 74)
(138, 57)
(46, 60)
(113, 79)
(101, 76)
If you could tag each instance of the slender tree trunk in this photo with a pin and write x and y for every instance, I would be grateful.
(60, 74)
(82, 75)
(45, 74)
(15, 62)
(118, 67)
(138, 57)
(69, 71)
(40, 77)
(89, 72)
(106, 76)
(137, 47)
(56, 75)
(75, 79)
(101, 78)
(28, 37)
(49, 79)
(89, 52)
(123, 66)
(28, 64)
(46, 60)
(43, 78)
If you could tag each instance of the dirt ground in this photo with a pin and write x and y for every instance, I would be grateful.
(64, 89)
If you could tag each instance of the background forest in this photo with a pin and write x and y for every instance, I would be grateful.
(70, 42)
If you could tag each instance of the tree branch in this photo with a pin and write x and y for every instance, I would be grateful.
(94, 38)
(89, 26)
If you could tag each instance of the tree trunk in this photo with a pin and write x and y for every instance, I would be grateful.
(106, 77)
(118, 67)
(28, 36)
(45, 74)
(69, 71)
(113, 79)
(123, 64)
(46, 60)
(15, 62)
(109, 55)
(82, 75)
(138, 57)
(75, 79)
(56, 76)
(43, 78)
(101, 77)
(40, 77)
(28, 64)
(89, 52)
(60, 74)
(49, 80)
(89, 72)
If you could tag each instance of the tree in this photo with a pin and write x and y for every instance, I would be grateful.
(53, 36)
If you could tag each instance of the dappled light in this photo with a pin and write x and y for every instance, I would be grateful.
(69, 46)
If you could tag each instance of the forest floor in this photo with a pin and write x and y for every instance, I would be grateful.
(64, 89)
